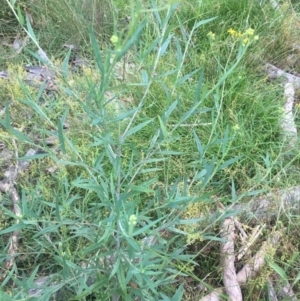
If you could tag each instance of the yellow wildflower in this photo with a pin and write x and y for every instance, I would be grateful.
(114, 39)
(235, 33)
(231, 31)
(132, 220)
(245, 41)
(249, 32)
(211, 36)
(236, 127)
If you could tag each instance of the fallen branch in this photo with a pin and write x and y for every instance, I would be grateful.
(249, 242)
(251, 268)
(287, 292)
(292, 82)
(288, 124)
(213, 296)
(272, 293)
(7, 186)
(274, 72)
(231, 284)
(266, 208)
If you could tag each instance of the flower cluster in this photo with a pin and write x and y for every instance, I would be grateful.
(132, 220)
(246, 36)
(211, 36)
(131, 223)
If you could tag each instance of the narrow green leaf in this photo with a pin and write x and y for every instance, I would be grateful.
(277, 269)
(225, 141)
(140, 188)
(233, 191)
(154, 139)
(170, 72)
(201, 174)
(150, 170)
(30, 30)
(7, 117)
(189, 113)
(33, 275)
(97, 51)
(133, 243)
(228, 162)
(121, 278)
(37, 156)
(214, 238)
(124, 115)
(164, 46)
(40, 92)
(20, 15)
(171, 109)
(199, 86)
(35, 55)
(13, 228)
(296, 279)
(156, 12)
(178, 294)
(19, 135)
(136, 128)
(134, 39)
(61, 136)
(148, 50)
(153, 160)
(145, 78)
(202, 22)
(36, 108)
(147, 227)
(163, 128)
(186, 77)
(183, 31)
(178, 52)
(65, 64)
(198, 143)
(171, 153)
(5, 297)
(50, 229)
(170, 13)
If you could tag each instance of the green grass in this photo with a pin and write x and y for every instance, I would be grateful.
(194, 121)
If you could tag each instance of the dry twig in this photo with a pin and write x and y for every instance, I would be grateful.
(231, 284)
(7, 186)
(251, 268)
(292, 82)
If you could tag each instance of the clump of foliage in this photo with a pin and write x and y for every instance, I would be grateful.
(167, 120)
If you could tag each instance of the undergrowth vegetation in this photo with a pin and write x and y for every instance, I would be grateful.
(171, 115)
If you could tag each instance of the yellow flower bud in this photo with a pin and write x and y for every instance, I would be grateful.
(114, 39)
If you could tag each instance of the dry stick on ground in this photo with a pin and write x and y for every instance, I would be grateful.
(264, 209)
(231, 284)
(292, 82)
(272, 293)
(288, 124)
(251, 268)
(249, 242)
(7, 186)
